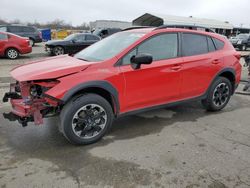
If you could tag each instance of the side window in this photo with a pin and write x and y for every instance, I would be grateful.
(80, 38)
(3, 36)
(15, 29)
(211, 46)
(219, 44)
(164, 46)
(3, 29)
(28, 29)
(193, 44)
(91, 38)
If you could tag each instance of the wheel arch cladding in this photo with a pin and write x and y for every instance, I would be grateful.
(228, 73)
(102, 88)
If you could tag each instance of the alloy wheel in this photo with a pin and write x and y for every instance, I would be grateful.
(221, 94)
(58, 50)
(89, 121)
(12, 53)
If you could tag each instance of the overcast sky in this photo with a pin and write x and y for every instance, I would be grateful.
(76, 12)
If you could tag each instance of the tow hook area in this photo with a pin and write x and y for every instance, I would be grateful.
(13, 117)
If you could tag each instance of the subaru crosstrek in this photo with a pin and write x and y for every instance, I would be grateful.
(125, 73)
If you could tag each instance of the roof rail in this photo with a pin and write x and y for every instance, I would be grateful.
(136, 27)
(191, 27)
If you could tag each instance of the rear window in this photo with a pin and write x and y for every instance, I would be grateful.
(211, 46)
(194, 44)
(219, 44)
(3, 36)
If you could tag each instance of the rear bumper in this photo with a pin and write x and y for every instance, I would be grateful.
(26, 50)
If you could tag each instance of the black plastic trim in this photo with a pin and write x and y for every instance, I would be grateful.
(98, 84)
(167, 105)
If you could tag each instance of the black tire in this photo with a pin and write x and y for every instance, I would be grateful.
(74, 108)
(58, 50)
(32, 42)
(12, 53)
(215, 100)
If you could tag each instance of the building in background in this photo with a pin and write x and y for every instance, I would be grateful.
(100, 24)
(156, 20)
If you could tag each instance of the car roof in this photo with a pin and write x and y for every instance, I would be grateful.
(153, 29)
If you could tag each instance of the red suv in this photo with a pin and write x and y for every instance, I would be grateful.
(128, 72)
(12, 45)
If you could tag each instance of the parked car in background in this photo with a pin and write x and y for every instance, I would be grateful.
(71, 44)
(105, 32)
(30, 32)
(128, 72)
(241, 41)
(12, 45)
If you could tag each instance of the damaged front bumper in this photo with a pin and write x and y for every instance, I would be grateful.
(27, 108)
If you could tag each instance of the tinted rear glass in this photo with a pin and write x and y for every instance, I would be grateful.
(219, 44)
(3, 36)
(211, 46)
(194, 44)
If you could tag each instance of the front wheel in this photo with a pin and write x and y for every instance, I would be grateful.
(58, 50)
(86, 119)
(218, 95)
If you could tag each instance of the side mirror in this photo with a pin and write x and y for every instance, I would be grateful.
(74, 41)
(139, 59)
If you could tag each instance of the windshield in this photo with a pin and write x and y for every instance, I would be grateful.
(242, 36)
(109, 47)
(70, 37)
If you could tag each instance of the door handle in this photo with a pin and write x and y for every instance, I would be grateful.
(216, 61)
(176, 67)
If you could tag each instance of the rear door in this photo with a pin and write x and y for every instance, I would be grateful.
(157, 83)
(201, 62)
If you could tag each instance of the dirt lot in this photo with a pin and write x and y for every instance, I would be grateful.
(182, 146)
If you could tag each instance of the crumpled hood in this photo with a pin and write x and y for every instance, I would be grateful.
(49, 68)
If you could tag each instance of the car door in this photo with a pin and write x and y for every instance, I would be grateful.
(3, 41)
(201, 62)
(157, 83)
(77, 44)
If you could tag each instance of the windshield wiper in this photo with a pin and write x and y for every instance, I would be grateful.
(83, 59)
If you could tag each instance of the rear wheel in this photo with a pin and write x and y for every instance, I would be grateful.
(58, 50)
(86, 119)
(218, 95)
(12, 53)
(32, 42)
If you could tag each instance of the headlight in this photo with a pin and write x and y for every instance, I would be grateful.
(39, 88)
(36, 91)
(239, 42)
